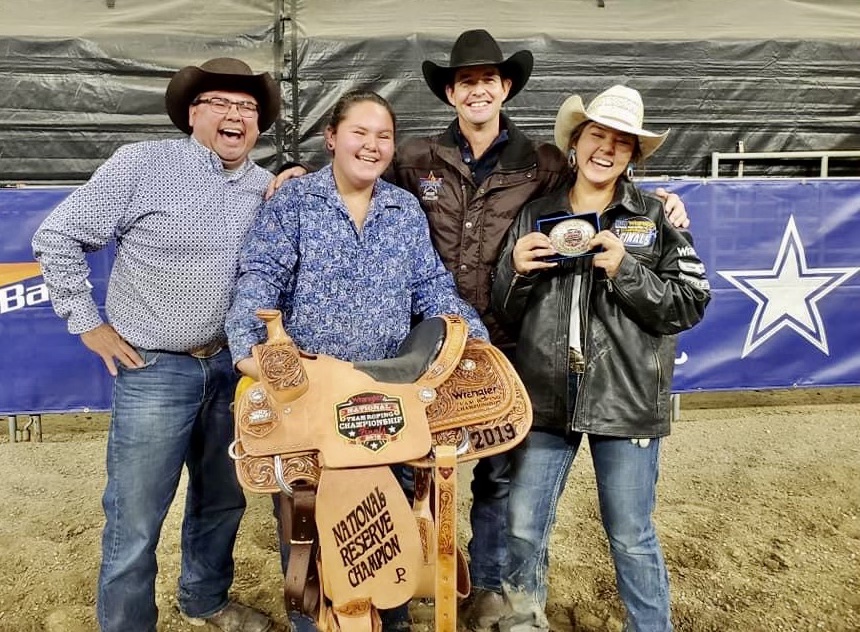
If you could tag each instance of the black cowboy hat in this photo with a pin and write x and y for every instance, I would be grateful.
(478, 48)
(223, 73)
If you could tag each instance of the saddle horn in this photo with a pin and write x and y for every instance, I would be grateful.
(279, 360)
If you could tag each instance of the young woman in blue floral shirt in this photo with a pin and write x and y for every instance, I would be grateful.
(345, 256)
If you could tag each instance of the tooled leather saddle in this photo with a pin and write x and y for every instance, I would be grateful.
(323, 433)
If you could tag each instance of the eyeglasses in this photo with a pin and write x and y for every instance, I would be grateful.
(219, 105)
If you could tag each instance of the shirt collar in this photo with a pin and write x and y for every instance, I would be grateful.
(493, 150)
(213, 160)
(322, 184)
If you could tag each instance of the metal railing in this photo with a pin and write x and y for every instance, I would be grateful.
(741, 156)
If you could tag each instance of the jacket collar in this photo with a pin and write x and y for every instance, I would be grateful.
(626, 197)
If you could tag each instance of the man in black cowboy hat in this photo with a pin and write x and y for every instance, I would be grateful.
(177, 210)
(472, 180)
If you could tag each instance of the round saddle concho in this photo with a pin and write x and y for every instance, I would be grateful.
(571, 236)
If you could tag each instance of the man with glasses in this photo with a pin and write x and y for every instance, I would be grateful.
(177, 210)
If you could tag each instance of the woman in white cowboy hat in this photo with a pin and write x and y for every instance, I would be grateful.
(597, 303)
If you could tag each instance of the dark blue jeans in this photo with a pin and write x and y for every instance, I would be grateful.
(488, 552)
(172, 412)
(488, 517)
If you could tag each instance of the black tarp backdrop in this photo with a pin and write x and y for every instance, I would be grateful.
(78, 79)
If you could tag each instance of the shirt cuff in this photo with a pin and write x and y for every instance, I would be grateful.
(83, 317)
(239, 350)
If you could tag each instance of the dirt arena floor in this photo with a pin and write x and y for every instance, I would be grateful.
(759, 516)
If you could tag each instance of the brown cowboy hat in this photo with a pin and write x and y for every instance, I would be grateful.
(223, 73)
(478, 48)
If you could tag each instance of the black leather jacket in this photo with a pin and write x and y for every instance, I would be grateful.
(628, 323)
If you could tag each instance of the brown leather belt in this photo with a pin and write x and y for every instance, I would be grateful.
(207, 350)
(575, 361)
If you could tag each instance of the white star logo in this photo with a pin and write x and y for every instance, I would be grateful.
(787, 295)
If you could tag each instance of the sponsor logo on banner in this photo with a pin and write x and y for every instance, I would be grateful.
(787, 295)
(17, 287)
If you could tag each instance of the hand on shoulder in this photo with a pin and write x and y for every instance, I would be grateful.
(288, 172)
(674, 207)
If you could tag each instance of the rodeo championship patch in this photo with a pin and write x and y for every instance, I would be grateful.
(372, 420)
(635, 232)
(430, 187)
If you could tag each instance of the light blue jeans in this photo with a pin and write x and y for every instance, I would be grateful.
(626, 486)
(171, 413)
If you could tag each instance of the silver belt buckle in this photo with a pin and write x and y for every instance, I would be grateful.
(575, 361)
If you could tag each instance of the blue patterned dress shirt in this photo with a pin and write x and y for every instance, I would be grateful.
(343, 292)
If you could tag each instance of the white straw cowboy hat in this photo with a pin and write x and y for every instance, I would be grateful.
(223, 73)
(478, 48)
(619, 107)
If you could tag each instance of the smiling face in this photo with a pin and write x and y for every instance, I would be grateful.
(478, 93)
(603, 153)
(362, 143)
(229, 135)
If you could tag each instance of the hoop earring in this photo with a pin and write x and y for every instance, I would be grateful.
(629, 172)
(571, 158)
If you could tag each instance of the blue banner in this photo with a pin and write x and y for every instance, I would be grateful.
(44, 368)
(782, 257)
(783, 262)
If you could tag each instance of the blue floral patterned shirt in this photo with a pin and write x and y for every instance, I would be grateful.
(343, 292)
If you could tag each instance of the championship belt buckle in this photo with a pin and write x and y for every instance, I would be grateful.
(570, 237)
